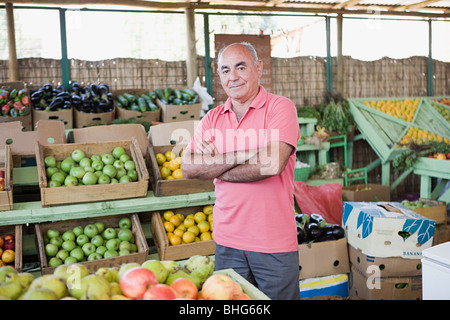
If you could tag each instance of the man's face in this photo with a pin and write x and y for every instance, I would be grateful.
(238, 74)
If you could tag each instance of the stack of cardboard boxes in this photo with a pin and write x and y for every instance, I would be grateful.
(385, 241)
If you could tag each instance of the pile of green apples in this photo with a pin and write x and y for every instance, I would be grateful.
(79, 169)
(91, 242)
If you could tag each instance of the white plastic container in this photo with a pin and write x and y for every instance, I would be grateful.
(436, 272)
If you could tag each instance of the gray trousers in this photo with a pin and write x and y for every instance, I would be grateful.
(275, 274)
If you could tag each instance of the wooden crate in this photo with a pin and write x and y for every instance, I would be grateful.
(16, 230)
(147, 116)
(181, 251)
(110, 221)
(6, 164)
(175, 186)
(91, 193)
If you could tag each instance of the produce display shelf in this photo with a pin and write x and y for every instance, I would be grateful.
(33, 212)
(429, 168)
(383, 132)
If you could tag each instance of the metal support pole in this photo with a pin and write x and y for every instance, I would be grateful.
(13, 66)
(430, 61)
(328, 62)
(65, 67)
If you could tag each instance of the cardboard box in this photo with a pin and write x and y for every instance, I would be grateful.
(387, 267)
(336, 285)
(175, 113)
(83, 119)
(366, 192)
(15, 230)
(27, 121)
(110, 221)
(147, 116)
(63, 115)
(386, 229)
(90, 193)
(372, 287)
(441, 234)
(323, 258)
(6, 165)
(172, 137)
(22, 143)
(436, 211)
(181, 251)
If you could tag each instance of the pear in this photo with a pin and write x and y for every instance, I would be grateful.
(25, 279)
(170, 265)
(92, 287)
(39, 294)
(71, 273)
(182, 274)
(199, 266)
(158, 269)
(4, 270)
(55, 284)
(11, 290)
(124, 267)
(115, 288)
(110, 274)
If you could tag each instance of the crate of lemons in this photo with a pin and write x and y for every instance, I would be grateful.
(193, 227)
(169, 165)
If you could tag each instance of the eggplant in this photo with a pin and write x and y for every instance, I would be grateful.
(301, 234)
(65, 95)
(103, 88)
(316, 218)
(313, 231)
(56, 104)
(302, 218)
(93, 88)
(335, 231)
(67, 104)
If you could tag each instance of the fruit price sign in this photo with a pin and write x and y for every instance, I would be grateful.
(262, 47)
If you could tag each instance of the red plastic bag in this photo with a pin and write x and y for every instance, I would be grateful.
(325, 200)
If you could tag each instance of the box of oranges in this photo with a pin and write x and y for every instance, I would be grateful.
(166, 144)
(184, 232)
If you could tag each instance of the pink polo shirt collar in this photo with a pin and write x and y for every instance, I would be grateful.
(257, 103)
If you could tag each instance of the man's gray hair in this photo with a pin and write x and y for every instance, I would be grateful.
(249, 47)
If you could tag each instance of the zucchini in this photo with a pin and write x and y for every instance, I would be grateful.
(142, 104)
(177, 101)
(152, 106)
(130, 97)
(185, 96)
(134, 107)
(123, 101)
(159, 94)
(190, 92)
(167, 93)
(196, 99)
(177, 93)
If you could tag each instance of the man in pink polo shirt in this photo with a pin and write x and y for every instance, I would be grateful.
(247, 145)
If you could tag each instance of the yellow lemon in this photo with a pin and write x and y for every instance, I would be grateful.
(208, 209)
(203, 226)
(188, 237)
(194, 229)
(170, 155)
(175, 240)
(199, 216)
(178, 232)
(177, 174)
(175, 219)
(168, 226)
(165, 172)
(160, 158)
(205, 236)
(174, 165)
(188, 222)
(167, 214)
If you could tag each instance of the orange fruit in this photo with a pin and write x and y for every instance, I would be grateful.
(188, 222)
(160, 158)
(168, 226)
(199, 216)
(205, 236)
(165, 172)
(208, 209)
(178, 232)
(188, 237)
(167, 214)
(175, 240)
(170, 155)
(174, 165)
(180, 216)
(203, 226)
(8, 256)
(210, 218)
(194, 229)
(175, 220)
(177, 174)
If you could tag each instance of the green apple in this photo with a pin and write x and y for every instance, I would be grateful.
(51, 249)
(67, 164)
(70, 260)
(52, 233)
(54, 184)
(107, 158)
(77, 172)
(90, 230)
(50, 161)
(134, 248)
(96, 157)
(109, 233)
(133, 175)
(58, 177)
(54, 262)
(77, 253)
(82, 239)
(125, 179)
(89, 169)
(94, 256)
(125, 223)
(78, 230)
(124, 252)
(114, 180)
(110, 254)
(130, 165)
(57, 241)
(120, 173)
(101, 250)
(100, 226)
(62, 254)
(77, 155)
(118, 151)
(88, 248)
(124, 235)
(104, 179)
(97, 165)
(85, 162)
(69, 245)
(97, 240)
(125, 245)
(124, 158)
(69, 235)
(51, 171)
(112, 244)
(118, 164)
(110, 170)
(89, 178)
(70, 181)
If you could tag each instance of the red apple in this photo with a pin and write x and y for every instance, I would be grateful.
(135, 281)
(8, 242)
(160, 291)
(185, 288)
(220, 287)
